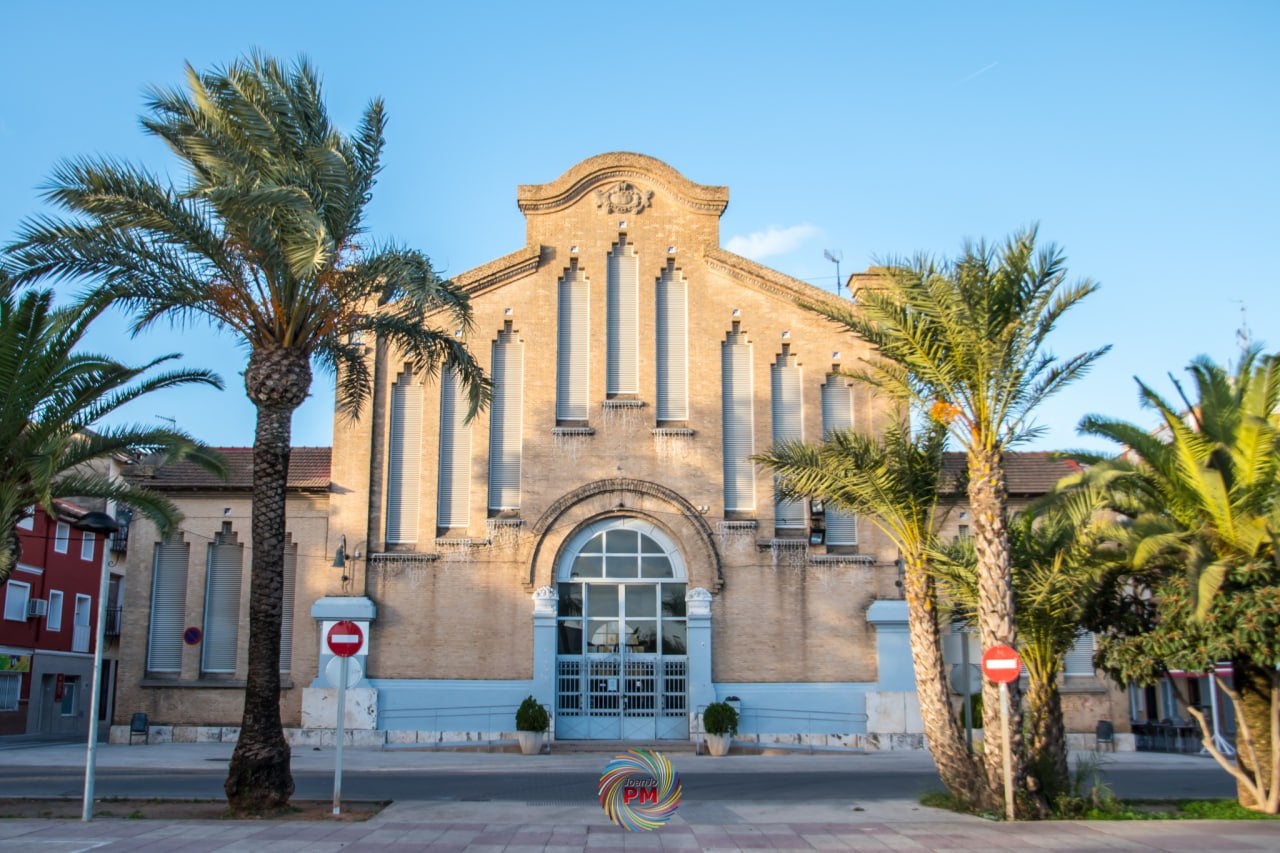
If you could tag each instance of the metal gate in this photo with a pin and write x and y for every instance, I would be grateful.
(622, 697)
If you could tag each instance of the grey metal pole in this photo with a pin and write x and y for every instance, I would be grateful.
(1006, 759)
(968, 689)
(95, 701)
(342, 714)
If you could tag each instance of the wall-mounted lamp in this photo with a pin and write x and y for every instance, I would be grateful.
(340, 557)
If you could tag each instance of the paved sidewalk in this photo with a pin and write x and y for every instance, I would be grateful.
(512, 827)
(879, 824)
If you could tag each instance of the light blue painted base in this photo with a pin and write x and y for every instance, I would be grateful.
(838, 708)
(406, 704)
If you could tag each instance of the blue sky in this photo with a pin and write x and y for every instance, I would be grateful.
(1143, 137)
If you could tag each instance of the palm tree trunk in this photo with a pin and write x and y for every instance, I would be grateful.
(259, 778)
(959, 772)
(987, 501)
(1253, 683)
(1048, 731)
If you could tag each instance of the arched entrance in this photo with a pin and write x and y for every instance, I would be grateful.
(621, 634)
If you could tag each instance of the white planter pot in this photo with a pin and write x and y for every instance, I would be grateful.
(718, 745)
(531, 742)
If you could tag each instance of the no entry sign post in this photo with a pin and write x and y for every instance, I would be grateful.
(1002, 665)
(345, 639)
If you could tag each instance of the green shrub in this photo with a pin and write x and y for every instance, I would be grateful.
(720, 719)
(532, 717)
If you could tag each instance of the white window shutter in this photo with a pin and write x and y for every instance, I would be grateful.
(168, 606)
(623, 309)
(673, 345)
(453, 502)
(837, 415)
(788, 425)
(286, 605)
(506, 421)
(404, 460)
(573, 346)
(222, 603)
(737, 412)
(1079, 660)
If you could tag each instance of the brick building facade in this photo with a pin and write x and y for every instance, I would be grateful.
(598, 537)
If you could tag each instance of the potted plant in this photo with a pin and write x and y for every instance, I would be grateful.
(532, 722)
(720, 722)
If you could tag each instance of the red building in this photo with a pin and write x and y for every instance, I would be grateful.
(48, 622)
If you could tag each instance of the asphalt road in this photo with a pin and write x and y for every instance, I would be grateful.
(826, 781)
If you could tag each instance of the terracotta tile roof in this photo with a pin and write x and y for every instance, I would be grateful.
(308, 469)
(1033, 473)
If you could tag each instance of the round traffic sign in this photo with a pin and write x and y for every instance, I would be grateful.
(191, 636)
(345, 638)
(1001, 664)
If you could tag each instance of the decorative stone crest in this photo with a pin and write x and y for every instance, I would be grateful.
(623, 197)
(698, 602)
(544, 601)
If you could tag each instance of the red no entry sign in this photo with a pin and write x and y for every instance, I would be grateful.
(345, 638)
(1001, 664)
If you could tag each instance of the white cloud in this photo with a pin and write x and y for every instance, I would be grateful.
(773, 240)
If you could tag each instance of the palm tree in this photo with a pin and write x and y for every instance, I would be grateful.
(966, 340)
(893, 482)
(1063, 559)
(265, 240)
(1204, 494)
(53, 396)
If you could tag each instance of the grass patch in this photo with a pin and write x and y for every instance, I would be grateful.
(1109, 808)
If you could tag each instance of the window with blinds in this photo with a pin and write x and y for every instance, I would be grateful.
(573, 351)
(737, 412)
(837, 416)
(672, 309)
(453, 498)
(505, 421)
(168, 606)
(623, 312)
(286, 603)
(404, 460)
(222, 602)
(1079, 660)
(787, 409)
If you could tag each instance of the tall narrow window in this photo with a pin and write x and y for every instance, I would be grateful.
(404, 460)
(81, 618)
(788, 425)
(53, 621)
(573, 347)
(623, 368)
(222, 602)
(454, 495)
(168, 606)
(61, 537)
(737, 409)
(286, 603)
(88, 539)
(837, 416)
(672, 295)
(506, 421)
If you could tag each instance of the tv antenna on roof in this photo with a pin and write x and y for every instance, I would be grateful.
(835, 257)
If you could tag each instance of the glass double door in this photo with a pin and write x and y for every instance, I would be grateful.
(621, 663)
